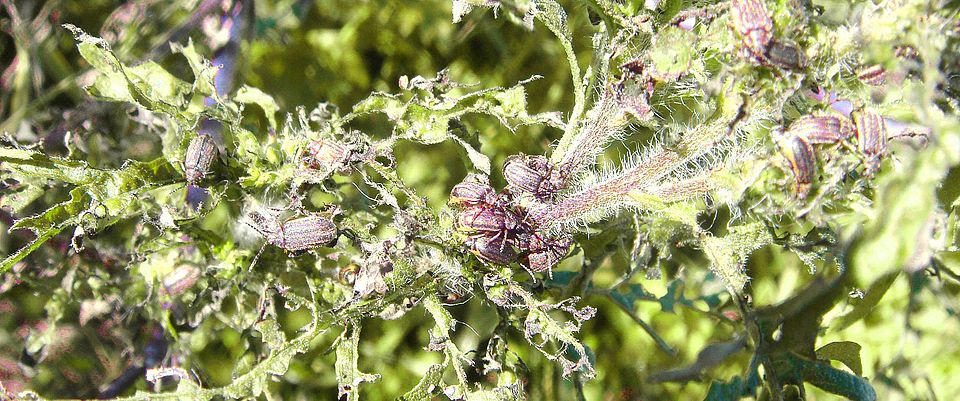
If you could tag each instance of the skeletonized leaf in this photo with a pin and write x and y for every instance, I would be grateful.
(203, 71)
(147, 85)
(348, 375)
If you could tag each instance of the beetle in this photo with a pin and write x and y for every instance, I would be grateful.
(751, 20)
(495, 250)
(521, 174)
(802, 161)
(821, 129)
(472, 191)
(874, 75)
(544, 252)
(295, 234)
(325, 154)
(785, 55)
(534, 175)
(200, 154)
(872, 136)
(485, 218)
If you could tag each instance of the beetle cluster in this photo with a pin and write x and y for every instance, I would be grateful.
(751, 20)
(496, 223)
(866, 127)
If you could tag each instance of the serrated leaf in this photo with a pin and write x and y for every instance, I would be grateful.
(270, 333)
(100, 198)
(426, 118)
(673, 295)
(847, 352)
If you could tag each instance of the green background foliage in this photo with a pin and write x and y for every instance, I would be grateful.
(854, 293)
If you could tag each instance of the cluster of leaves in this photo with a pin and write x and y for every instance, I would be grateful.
(702, 186)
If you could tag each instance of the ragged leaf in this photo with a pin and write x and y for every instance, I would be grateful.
(349, 376)
(728, 254)
(250, 95)
(99, 198)
(148, 84)
(425, 117)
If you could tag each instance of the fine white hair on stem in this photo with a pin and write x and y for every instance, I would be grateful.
(606, 122)
(680, 170)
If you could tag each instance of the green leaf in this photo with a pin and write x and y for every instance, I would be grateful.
(17, 256)
(348, 375)
(728, 254)
(836, 381)
(737, 387)
(250, 95)
(725, 391)
(204, 72)
(17, 201)
(555, 18)
(428, 384)
(147, 85)
(426, 117)
(847, 352)
(100, 197)
(672, 53)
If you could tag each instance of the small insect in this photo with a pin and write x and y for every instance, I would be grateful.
(472, 191)
(179, 280)
(802, 161)
(534, 175)
(871, 137)
(874, 75)
(634, 67)
(821, 129)
(751, 20)
(200, 154)
(296, 234)
(868, 127)
(522, 174)
(785, 55)
(487, 219)
(497, 250)
(325, 154)
(544, 252)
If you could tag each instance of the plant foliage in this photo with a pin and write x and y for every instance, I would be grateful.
(668, 234)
